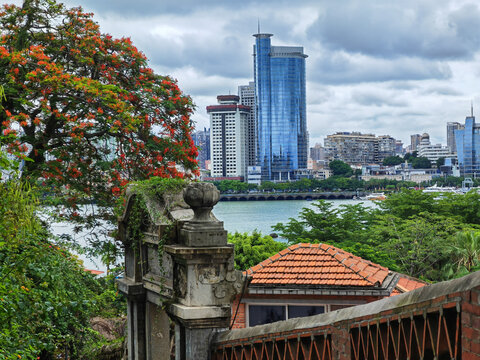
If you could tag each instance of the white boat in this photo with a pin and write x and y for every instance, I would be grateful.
(439, 189)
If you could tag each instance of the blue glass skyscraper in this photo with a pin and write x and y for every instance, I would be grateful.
(468, 147)
(282, 140)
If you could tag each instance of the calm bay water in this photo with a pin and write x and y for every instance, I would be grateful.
(241, 216)
(246, 216)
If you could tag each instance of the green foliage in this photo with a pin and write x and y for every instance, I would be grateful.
(392, 160)
(440, 162)
(46, 299)
(465, 251)
(346, 227)
(418, 245)
(408, 203)
(235, 186)
(333, 183)
(340, 168)
(253, 249)
(89, 112)
(411, 232)
(421, 163)
(410, 156)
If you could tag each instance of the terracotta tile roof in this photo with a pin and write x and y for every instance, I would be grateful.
(407, 283)
(317, 264)
(94, 272)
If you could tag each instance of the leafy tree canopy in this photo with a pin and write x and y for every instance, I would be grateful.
(340, 168)
(410, 156)
(46, 298)
(86, 108)
(440, 162)
(253, 249)
(411, 232)
(421, 163)
(392, 160)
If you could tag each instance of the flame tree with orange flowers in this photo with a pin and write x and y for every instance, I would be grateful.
(85, 109)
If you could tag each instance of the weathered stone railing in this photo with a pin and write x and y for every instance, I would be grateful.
(440, 321)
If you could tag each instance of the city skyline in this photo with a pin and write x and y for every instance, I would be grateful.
(382, 68)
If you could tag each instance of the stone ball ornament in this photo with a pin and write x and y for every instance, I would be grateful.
(201, 197)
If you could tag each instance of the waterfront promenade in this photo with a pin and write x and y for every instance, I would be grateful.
(260, 196)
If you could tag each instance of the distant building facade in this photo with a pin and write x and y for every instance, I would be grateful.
(451, 127)
(280, 91)
(386, 147)
(201, 139)
(356, 148)
(399, 150)
(247, 97)
(468, 147)
(317, 153)
(414, 141)
(353, 148)
(433, 152)
(228, 137)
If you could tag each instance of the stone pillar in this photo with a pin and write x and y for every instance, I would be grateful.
(135, 294)
(205, 281)
(158, 329)
(176, 258)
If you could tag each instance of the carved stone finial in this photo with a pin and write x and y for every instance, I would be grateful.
(201, 197)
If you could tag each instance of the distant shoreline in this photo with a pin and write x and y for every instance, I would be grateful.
(260, 196)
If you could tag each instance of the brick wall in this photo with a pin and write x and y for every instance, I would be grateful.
(471, 325)
(240, 320)
(444, 317)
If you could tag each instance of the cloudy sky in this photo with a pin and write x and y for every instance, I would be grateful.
(382, 67)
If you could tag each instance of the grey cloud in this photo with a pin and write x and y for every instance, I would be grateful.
(413, 113)
(374, 99)
(442, 90)
(403, 85)
(142, 8)
(133, 9)
(339, 68)
(228, 57)
(387, 29)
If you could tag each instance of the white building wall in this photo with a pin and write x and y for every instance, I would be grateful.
(434, 152)
(234, 135)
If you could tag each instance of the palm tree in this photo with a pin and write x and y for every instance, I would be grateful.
(466, 250)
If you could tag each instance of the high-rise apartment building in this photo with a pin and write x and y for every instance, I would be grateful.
(280, 91)
(386, 147)
(353, 148)
(247, 97)
(228, 137)
(468, 147)
(451, 127)
(415, 141)
(201, 139)
(399, 150)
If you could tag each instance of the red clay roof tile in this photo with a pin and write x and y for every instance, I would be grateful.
(318, 264)
(406, 283)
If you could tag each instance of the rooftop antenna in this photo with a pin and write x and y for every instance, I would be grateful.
(471, 107)
(258, 25)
